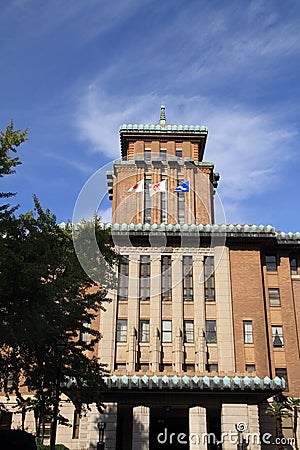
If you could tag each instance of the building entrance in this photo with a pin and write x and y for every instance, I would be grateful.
(169, 429)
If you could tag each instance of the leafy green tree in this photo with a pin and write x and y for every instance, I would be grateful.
(293, 405)
(9, 141)
(44, 295)
(279, 410)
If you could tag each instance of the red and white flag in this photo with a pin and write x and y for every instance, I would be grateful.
(157, 187)
(138, 186)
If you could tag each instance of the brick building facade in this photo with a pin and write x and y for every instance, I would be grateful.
(203, 328)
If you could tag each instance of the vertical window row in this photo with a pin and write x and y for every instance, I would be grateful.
(166, 278)
(209, 279)
(164, 206)
(145, 277)
(180, 205)
(147, 201)
(187, 268)
(123, 279)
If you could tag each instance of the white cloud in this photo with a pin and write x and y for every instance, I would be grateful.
(245, 145)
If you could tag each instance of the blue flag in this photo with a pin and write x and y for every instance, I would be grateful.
(183, 187)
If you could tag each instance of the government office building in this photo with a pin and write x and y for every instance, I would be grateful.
(203, 328)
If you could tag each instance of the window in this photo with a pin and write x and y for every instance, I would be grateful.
(250, 368)
(5, 420)
(293, 266)
(163, 153)
(47, 430)
(85, 335)
(143, 367)
(277, 336)
(282, 373)
(274, 297)
(180, 203)
(121, 330)
(144, 331)
(147, 201)
(166, 278)
(167, 331)
(123, 279)
(188, 326)
(271, 263)
(211, 332)
(248, 334)
(165, 368)
(209, 279)
(187, 267)
(179, 152)
(147, 154)
(145, 277)
(189, 367)
(76, 425)
(120, 367)
(212, 367)
(164, 206)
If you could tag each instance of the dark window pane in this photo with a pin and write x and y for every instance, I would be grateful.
(274, 296)
(211, 331)
(271, 263)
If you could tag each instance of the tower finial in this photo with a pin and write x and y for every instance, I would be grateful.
(162, 119)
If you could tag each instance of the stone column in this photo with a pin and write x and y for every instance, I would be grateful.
(197, 427)
(155, 312)
(140, 428)
(233, 414)
(110, 417)
(178, 350)
(132, 350)
(226, 360)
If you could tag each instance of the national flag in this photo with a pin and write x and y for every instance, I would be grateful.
(183, 187)
(157, 187)
(138, 186)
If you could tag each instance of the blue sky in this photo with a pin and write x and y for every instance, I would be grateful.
(73, 71)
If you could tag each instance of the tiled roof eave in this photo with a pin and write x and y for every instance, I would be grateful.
(234, 231)
(195, 383)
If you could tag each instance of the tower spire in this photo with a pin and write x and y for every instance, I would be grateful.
(162, 119)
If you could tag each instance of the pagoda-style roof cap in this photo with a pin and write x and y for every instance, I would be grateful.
(162, 130)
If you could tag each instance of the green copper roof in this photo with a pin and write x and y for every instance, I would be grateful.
(163, 129)
(195, 383)
(229, 230)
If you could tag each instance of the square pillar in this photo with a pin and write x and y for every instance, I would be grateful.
(233, 414)
(110, 417)
(197, 427)
(140, 428)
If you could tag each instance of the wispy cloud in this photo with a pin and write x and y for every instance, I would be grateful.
(245, 144)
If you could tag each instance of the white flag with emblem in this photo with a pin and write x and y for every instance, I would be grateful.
(157, 187)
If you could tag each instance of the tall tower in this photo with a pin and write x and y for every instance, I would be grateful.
(171, 332)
